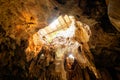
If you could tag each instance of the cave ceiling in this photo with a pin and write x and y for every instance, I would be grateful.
(27, 31)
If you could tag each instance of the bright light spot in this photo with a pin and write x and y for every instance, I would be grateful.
(42, 56)
(54, 24)
(68, 32)
(59, 27)
(71, 17)
(71, 56)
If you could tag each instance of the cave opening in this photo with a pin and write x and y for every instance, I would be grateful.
(64, 49)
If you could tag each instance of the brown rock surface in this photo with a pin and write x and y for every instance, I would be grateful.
(20, 52)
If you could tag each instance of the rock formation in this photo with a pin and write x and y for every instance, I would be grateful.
(26, 54)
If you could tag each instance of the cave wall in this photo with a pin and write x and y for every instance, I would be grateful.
(20, 20)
